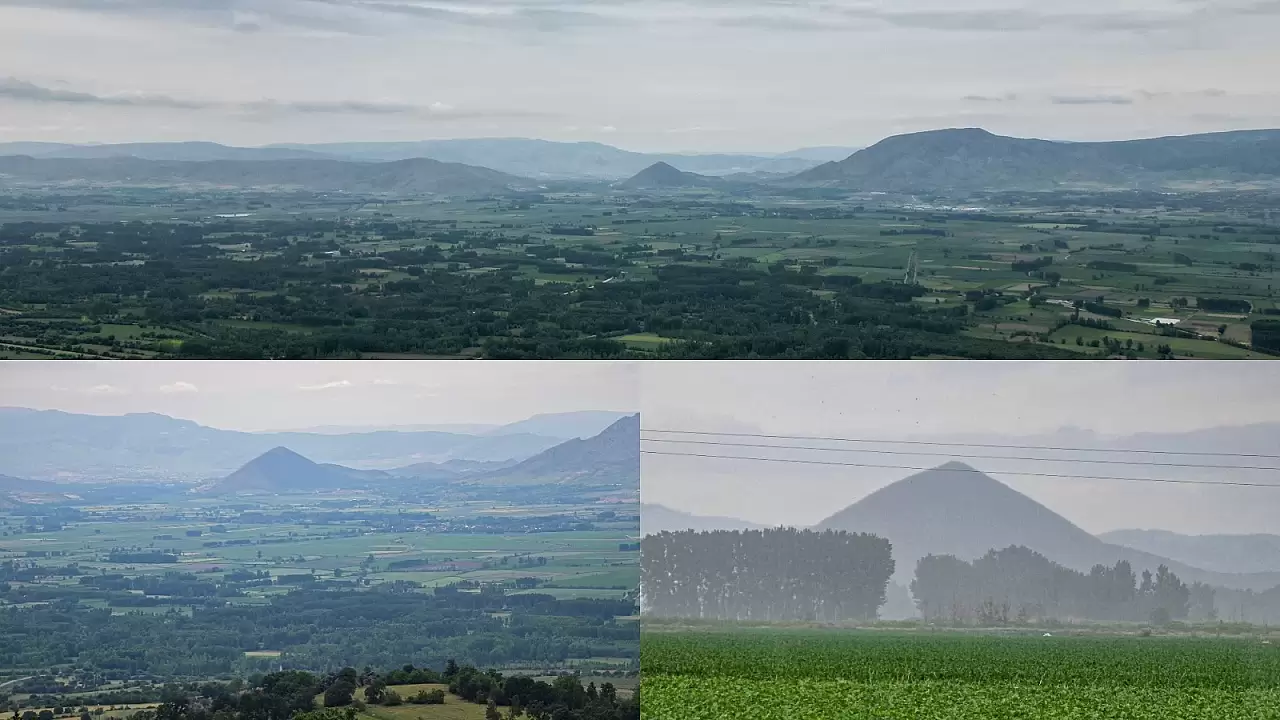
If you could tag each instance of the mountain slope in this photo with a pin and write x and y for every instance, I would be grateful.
(281, 470)
(610, 458)
(968, 159)
(656, 519)
(660, 175)
(50, 444)
(955, 510)
(582, 424)
(1221, 553)
(548, 159)
(418, 175)
(10, 484)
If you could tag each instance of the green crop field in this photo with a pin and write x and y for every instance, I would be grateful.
(872, 675)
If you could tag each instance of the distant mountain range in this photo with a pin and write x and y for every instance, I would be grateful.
(54, 445)
(1225, 553)
(610, 458)
(973, 159)
(949, 160)
(656, 519)
(536, 159)
(955, 510)
(414, 176)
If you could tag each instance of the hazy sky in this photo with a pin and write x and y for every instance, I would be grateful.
(289, 395)
(651, 74)
(1063, 404)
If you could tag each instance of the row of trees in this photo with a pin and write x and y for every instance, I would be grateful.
(1020, 585)
(770, 575)
(786, 575)
(291, 695)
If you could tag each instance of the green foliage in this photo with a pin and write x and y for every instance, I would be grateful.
(1019, 583)
(774, 575)
(815, 675)
(322, 629)
(1266, 335)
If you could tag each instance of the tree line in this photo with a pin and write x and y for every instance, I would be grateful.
(293, 694)
(1019, 585)
(769, 575)
(786, 575)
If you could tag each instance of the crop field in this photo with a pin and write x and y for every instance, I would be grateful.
(816, 674)
(212, 543)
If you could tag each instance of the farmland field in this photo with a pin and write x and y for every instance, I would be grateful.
(602, 272)
(871, 675)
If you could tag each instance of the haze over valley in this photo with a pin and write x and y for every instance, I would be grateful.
(447, 523)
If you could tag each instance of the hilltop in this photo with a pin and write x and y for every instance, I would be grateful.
(281, 470)
(966, 159)
(660, 175)
(955, 510)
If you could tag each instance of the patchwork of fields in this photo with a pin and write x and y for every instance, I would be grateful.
(607, 273)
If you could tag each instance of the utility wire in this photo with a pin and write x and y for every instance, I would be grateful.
(957, 455)
(994, 472)
(952, 444)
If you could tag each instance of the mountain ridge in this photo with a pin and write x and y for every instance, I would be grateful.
(656, 518)
(409, 176)
(1246, 553)
(57, 445)
(609, 458)
(971, 159)
(525, 157)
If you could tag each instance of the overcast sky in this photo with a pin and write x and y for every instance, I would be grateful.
(649, 75)
(1041, 404)
(291, 395)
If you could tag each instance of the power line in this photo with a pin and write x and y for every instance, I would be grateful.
(971, 445)
(994, 472)
(956, 455)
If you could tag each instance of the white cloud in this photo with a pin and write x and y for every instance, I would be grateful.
(327, 386)
(179, 387)
(107, 390)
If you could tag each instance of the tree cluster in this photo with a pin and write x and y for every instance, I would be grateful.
(768, 575)
(1019, 585)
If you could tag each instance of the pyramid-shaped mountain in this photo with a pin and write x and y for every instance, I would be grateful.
(610, 458)
(661, 175)
(281, 470)
(956, 510)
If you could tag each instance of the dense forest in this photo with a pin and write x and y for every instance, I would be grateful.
(317, 629)
(771, 575)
